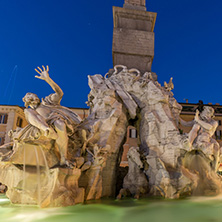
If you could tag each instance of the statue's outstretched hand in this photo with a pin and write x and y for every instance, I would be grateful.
(44, 74)
(196, 118)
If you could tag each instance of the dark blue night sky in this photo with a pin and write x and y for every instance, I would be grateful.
(74, 37)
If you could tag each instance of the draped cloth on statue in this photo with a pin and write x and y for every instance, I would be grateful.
(58, 112)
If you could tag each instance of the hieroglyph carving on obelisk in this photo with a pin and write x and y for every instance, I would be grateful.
(136, 2)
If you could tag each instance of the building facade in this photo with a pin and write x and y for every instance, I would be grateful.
(11, 117)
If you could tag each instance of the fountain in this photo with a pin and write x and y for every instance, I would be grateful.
(60, 160)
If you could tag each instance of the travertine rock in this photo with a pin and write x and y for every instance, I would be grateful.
(159, 178)
(107, 124)
(158, 114)
(48, 187)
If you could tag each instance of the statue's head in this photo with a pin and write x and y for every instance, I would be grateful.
(208, 112)
(31, 99)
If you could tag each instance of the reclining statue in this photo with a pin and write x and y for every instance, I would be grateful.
(49, 117)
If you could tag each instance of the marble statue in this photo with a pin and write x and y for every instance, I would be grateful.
(46, 145)
(169, 86)
(200, 136)
(204, 125)
(49, 116)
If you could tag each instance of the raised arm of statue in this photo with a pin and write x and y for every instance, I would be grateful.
(44, 75)
(185, 123)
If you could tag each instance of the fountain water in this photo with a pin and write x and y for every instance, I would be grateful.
(38, 179)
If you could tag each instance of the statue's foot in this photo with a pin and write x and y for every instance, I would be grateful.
(66, 164)
(3, 188)
(137, 196)
(119, 196)
(50, 133)
(186, 144)
(86, 166)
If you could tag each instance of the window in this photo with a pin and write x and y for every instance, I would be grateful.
(19, 122)
(132, 133)
(3, 118)
(2, 140)
(218, 134)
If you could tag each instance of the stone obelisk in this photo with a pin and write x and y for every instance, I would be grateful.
(133, 36)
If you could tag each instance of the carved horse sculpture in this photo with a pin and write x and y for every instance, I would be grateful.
(135, 182)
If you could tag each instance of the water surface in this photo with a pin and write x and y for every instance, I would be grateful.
(129, 210)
